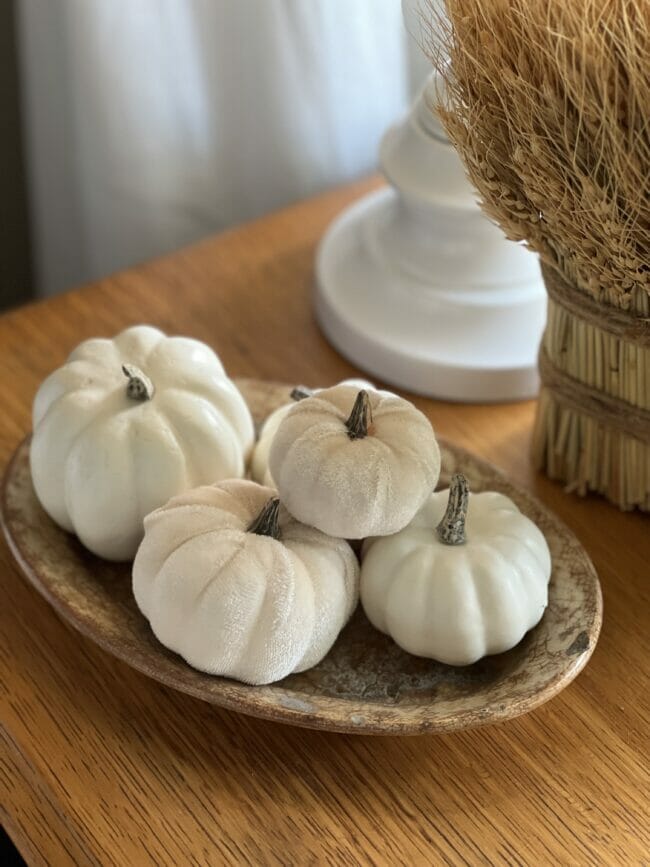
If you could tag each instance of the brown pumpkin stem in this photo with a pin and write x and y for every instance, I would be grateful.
(451, 530)
(139, 386)
(267, 522)
(360, 418)
(300, 392)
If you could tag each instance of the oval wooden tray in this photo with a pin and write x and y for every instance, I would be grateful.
(366, 684)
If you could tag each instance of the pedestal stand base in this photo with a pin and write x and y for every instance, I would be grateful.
(457, 342)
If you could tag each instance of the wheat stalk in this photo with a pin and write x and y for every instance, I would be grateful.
(548, 103)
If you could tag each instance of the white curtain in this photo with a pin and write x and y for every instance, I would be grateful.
(151, 123)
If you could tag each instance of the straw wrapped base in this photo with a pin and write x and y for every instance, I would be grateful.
(593, 420)
(586, 454)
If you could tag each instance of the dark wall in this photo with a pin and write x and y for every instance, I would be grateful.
(16, 283)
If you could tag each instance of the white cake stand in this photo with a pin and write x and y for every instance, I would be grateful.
(416, 286)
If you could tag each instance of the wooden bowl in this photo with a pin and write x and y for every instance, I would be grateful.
(366, 684)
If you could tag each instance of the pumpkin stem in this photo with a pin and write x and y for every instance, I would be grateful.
(266, 523)
(360, 418)
(451, 530)
(139, 386)
(300, 392)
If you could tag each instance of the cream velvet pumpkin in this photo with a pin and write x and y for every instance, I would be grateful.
(354, 463)
(219, 589)
(260, 471)
(468, 577)
(127, 423)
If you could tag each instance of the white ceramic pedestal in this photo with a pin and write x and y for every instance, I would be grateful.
(416, 286)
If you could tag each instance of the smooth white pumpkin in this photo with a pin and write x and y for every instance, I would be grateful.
(260, 471)
(456, 601)
(354, 463)
(105, 451)
(233, 601)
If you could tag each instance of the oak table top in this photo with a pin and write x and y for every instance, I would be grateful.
(102, 766)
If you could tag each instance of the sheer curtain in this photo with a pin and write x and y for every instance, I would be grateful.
(151, 123)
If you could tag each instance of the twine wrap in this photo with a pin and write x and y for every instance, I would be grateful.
(615, 413)
(593, 422)
(626, 325)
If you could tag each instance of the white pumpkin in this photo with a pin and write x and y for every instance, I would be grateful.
(127, 423)
(467, 578)
(239, 588)
(260, 471)
(354, 463)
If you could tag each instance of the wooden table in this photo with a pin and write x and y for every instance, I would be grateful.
(102, 765)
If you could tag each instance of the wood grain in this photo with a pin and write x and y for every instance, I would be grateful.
(102, 766)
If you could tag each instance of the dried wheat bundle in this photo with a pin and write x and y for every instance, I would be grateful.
(548, 103)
